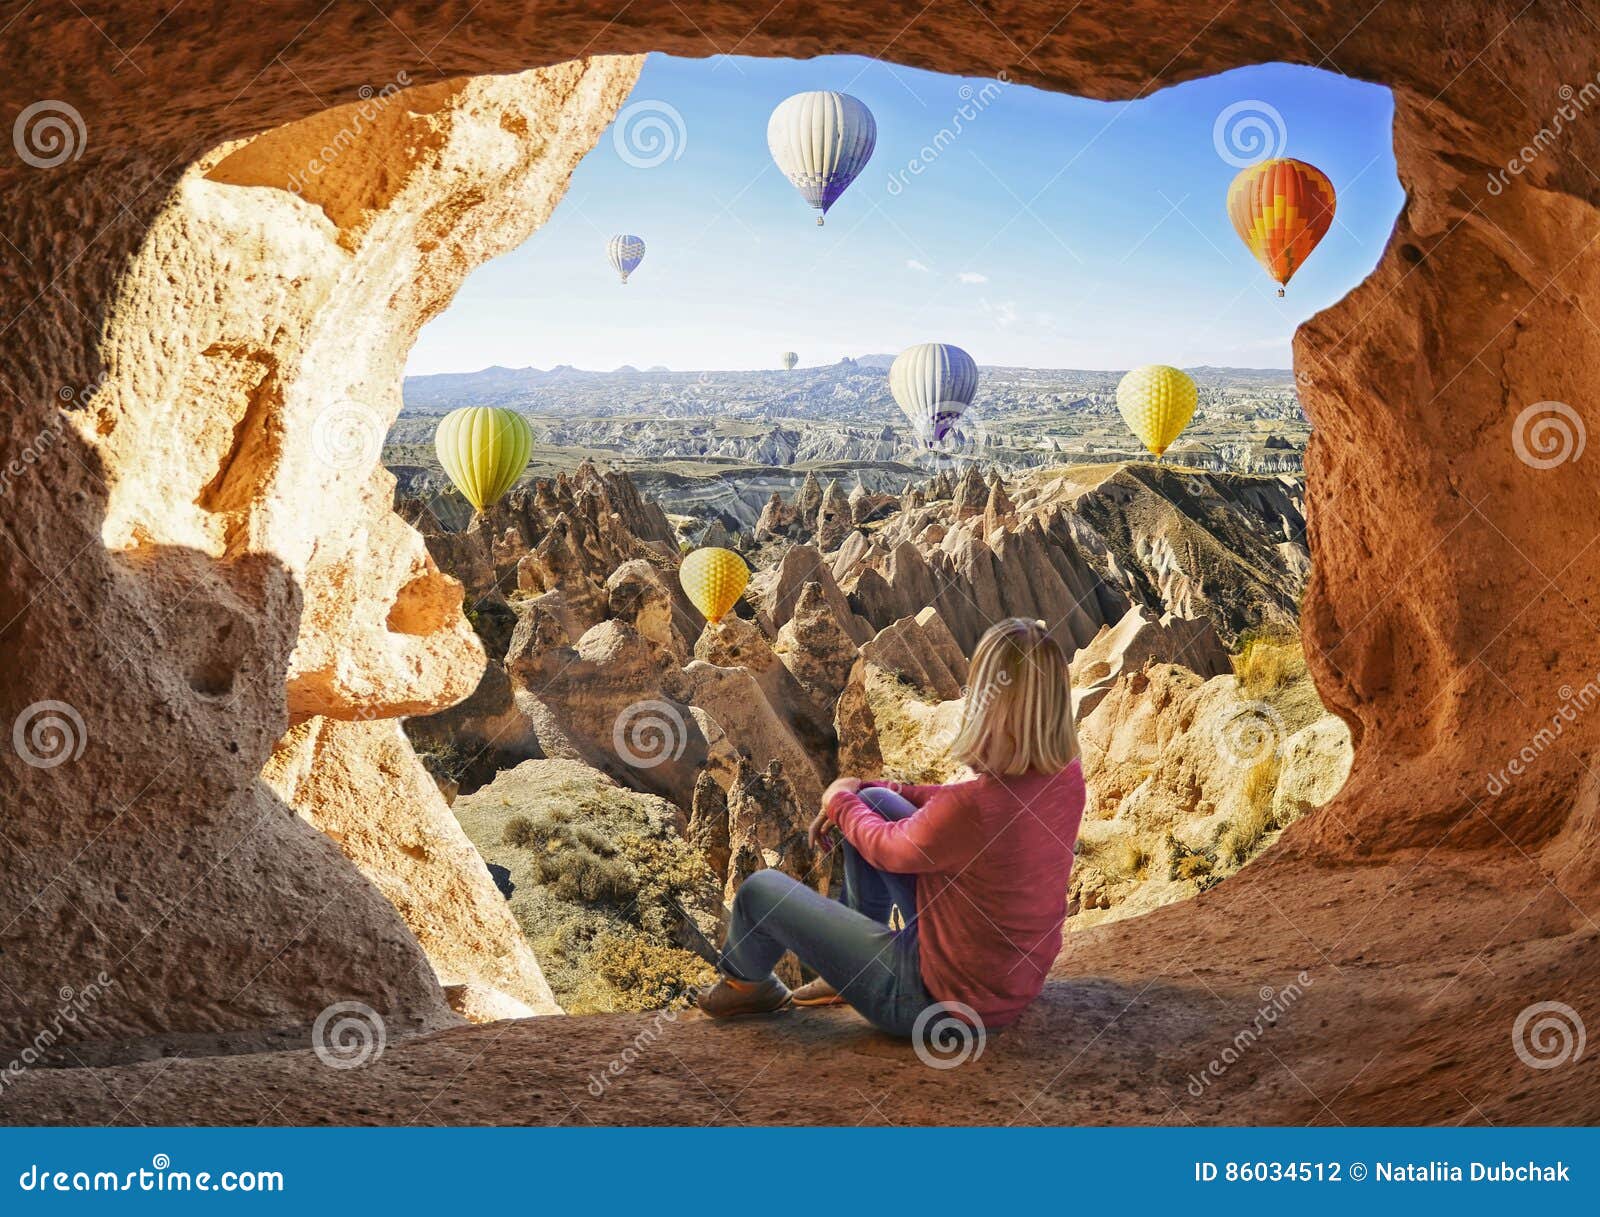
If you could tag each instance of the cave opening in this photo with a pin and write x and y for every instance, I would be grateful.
(207, 355)
(1175, 585)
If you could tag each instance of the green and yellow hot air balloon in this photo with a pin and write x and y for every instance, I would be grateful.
(484, 449)
(1157, 403)
(714, 578)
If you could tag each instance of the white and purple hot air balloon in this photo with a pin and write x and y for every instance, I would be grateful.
(625, 252)
(933, 383)
(821, 141)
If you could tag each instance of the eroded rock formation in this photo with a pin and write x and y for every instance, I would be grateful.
(211, 554)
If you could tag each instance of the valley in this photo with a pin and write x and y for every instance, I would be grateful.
(623, 765)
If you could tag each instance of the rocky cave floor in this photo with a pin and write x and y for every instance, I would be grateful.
(1415, 971)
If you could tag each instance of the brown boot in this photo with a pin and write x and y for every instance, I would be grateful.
(730, 997)
(817, 993)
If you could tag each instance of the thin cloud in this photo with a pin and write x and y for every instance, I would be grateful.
(972, 276)
(1004, 313)
(913, 264)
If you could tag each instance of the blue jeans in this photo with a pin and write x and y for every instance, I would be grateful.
(876, 969)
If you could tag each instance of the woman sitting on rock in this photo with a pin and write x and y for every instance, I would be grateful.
(978, 869)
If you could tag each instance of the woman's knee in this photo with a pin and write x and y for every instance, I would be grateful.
(886, 802)
(764, 888)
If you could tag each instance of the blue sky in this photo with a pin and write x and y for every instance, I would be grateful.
(1050, 232)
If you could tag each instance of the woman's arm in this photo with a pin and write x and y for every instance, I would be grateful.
(943, 834)
(915, 795)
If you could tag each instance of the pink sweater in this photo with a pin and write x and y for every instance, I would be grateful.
(993, 856)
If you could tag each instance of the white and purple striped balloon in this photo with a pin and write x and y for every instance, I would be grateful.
(625, 253)
(933, 383)
(821, 141)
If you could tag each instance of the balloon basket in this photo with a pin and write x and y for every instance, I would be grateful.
(1280, 291)
(819, 221)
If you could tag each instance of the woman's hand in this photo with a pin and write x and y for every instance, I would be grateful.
(852, 785)
(820, 832)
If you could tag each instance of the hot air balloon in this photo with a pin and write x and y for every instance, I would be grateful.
(821, 141)
(789, 360)
(1281, 208)
(713, 578)
(484, 449)
(933, 383)
(1157, 403)
(625, 252)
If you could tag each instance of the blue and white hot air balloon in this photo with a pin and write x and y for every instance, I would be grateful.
(625, 252)
(933, 383)
(821, 141)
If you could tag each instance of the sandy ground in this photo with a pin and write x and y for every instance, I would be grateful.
(1405, 1013)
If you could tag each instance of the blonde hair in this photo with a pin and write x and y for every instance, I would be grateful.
(1018, 713)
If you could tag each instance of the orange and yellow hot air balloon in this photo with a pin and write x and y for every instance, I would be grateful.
(714, 579)
(1281, 208)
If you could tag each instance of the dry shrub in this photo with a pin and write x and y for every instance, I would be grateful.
(573, 860)
(644, 975)
(1244, 835)
(1187, 864)
(1128, 860)
(1269, 661)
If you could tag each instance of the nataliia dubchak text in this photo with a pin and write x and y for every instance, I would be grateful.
(1472, 1172)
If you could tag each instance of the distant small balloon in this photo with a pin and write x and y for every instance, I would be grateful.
(625, 252)
(821, 141)
(1157, 402)
(714, 579)
(789, 360)
(484, 450)
(933, 383)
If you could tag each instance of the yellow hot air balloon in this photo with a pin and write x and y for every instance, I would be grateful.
(714, 579)
(1281, 208)
(1157, 403)
(484, 449)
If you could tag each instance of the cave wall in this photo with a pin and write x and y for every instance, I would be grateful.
(201, 333)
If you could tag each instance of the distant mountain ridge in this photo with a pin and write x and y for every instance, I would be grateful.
(522, 387)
